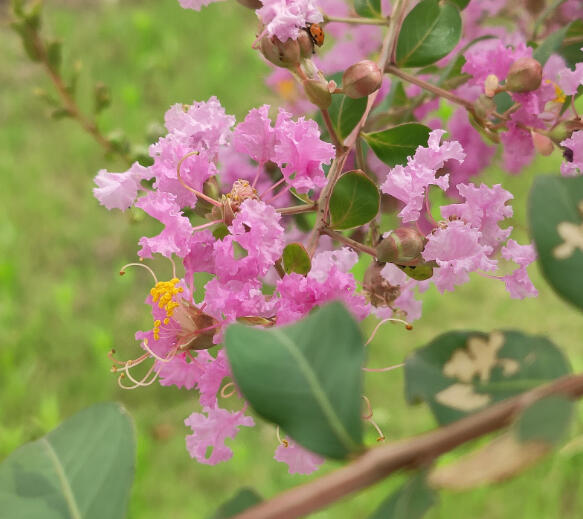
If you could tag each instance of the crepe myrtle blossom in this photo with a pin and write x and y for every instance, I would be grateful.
(298, 459)
(573, 154)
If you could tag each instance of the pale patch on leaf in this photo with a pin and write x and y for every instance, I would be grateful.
(572, 235)
(501, 459)
(462, 397)
(509, 366)
(479, 358)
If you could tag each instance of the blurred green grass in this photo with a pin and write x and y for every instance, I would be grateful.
(63, 305)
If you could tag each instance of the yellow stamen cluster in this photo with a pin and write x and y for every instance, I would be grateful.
(163, 293)
(560, 95)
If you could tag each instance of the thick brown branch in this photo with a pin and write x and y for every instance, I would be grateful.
(378, 463)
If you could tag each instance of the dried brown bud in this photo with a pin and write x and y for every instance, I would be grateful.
(377, 289)
(403, 246)
(361, 79)
(317, 92)
(525, 75)
(484, 106)
(283, 54)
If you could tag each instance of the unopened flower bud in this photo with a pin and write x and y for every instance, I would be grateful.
(560, 132)
(251, 4)
(283, 54)
(361, 79)
(317, 92)
(484, 106)
(403, 246)
(542, 143)
(525, 75)
(491, 85)
(377, 289)
(306, 44)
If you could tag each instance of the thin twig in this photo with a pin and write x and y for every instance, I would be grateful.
(379, 462)
(350, 242)
(357, 21)
(297, 209)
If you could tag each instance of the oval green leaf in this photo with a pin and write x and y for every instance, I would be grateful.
(355, 201)
(556, 222)
(368, 8)
(430, 32)
(462, 372)
(394, 145)
(346, 113)
(241, 501)
(83, 469)
(305, 377)
(296, 259)
(411, 501)
(547, 420)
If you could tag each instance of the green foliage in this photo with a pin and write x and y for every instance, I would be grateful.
(411, 501)
(556, 221)
(354, 202)
(546, 420)
(368, 8)
(82, 469)
(551, 45)
(345, 113)
(572, 52)
(245, 498)
(296, 259)
(461, 372)
(305, 377)
(394, 145)
(429, 32)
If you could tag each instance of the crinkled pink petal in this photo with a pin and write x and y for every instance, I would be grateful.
(300, 153)
(573, 166)
(213, 373)
(197, 5)
(518, 148)
(179, 371)
(285, 18)
(571, 80)
(409, 183)
(211, 431)
(255, 136)
(298, 459)
(343, 259)
(200, 257)
(519, 284)
(119, 190)
(522, 255)
(175, 238)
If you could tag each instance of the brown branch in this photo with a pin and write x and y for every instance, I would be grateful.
(350, 242)
(297, 209)
(378, 463)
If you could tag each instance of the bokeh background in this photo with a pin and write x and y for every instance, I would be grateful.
(63, 305)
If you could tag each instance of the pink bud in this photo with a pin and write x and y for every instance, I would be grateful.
(361, 79)
(525, 75)
(542, 143)
(317, 92)
(283, 54)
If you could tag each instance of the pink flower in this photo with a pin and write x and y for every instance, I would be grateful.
(574, 157)
(215, 369)
(119, 190)
(457, 251)
(179, 371)
(571, 80)
(409, 183)
(285, 18)
(300, 153)
(518, 148)
(175, 238)
(211, 431)
(196, 4)
(257, 230)
(518, 283)
(200, 257)
(255, 135)
(483, 208)
(298, 459)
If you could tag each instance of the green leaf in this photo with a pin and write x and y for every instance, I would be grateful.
(546, 420)
(550, 45)
(572, 52)
(430, 32)
(410, 501)
(296, 259)
(394, 145)
(556, 222)
(462, 372)
(368, 8)
(355, 201)
(346, 113)
(82, 469)
(462, 4)
(305, 377)
(245, 498)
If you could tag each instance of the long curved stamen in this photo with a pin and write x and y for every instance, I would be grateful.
(381, 437)
(276, 196)
(272, 187)
(368, 414)
(122, 270)
(259, 170)
(170, 356)
(139, 383)
(380, 370)
(186, 186)
(408, 326)
(283, 442)
(232, 387)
